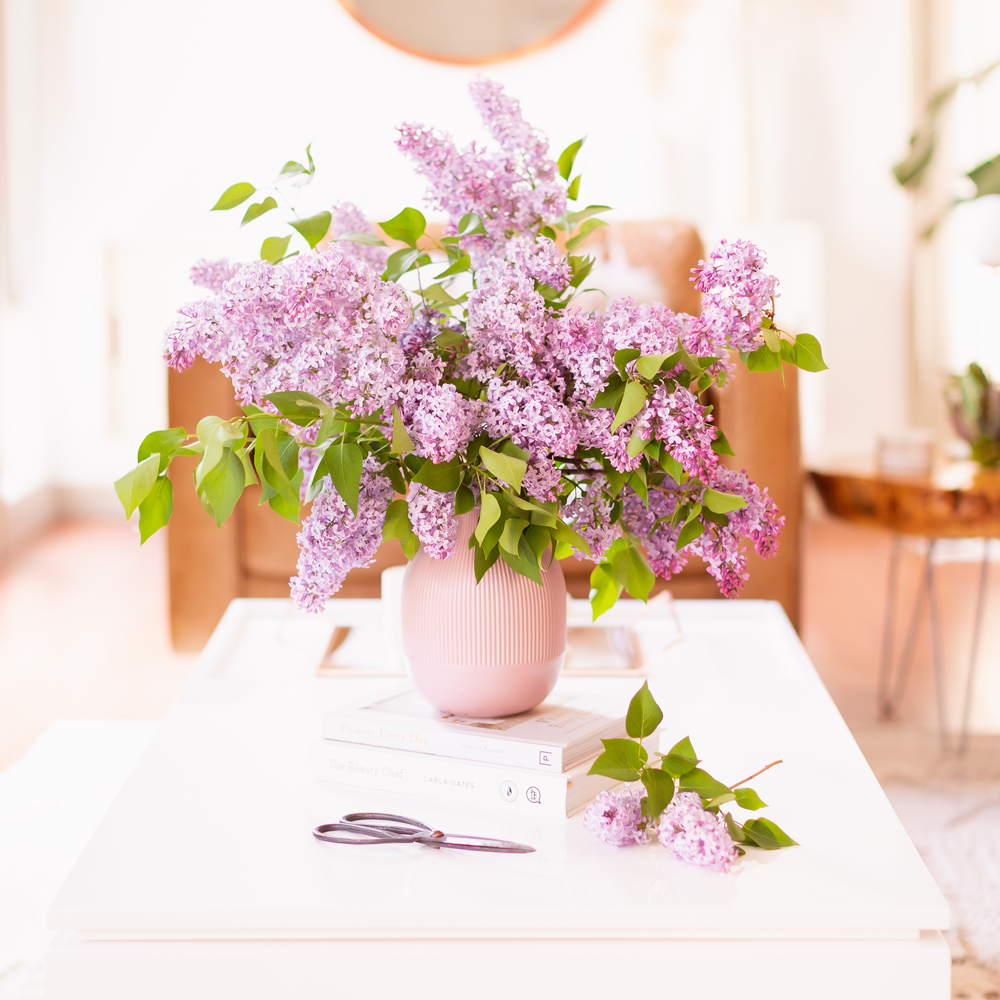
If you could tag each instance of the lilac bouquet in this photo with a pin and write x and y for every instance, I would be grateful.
(675, 801)
(395, 388)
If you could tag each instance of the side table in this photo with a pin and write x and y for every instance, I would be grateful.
(956, 501)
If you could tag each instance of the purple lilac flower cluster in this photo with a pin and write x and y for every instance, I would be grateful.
(519, 365)
(334, 541)
(689, 831)
(513, 190)
(615, 817)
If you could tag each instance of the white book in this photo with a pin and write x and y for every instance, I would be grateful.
(555, 736)
(446, 779)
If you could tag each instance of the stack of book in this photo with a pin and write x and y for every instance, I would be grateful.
(536, 761)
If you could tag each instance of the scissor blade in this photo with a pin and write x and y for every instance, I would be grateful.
(460, 842)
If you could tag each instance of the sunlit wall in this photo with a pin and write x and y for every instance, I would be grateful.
(775, 118)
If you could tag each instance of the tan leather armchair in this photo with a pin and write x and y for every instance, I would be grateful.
(254, 553)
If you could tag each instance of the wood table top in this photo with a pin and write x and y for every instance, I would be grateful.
(957, 500)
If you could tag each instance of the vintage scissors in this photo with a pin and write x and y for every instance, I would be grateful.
(385, 828)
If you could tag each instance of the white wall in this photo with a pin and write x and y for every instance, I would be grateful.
(742, 115)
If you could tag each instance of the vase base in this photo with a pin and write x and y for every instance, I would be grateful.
(485, 692)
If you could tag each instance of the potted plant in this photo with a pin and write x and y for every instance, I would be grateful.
(449, 394)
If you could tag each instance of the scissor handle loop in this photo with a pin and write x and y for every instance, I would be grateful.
(365, 835)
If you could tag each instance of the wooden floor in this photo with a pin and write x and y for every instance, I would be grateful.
(83, 634)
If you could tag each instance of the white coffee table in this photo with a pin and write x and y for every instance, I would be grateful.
(204, 882)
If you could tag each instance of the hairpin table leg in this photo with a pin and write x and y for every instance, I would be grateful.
(935, 628)
(892, 678)
(984, 570)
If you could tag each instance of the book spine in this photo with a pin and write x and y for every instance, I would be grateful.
(460, 745)
(443, 778)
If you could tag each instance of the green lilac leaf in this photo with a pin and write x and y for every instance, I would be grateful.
(568, 157)
(299, 407)
(292, 168)
(343, 462)
(233, 196)
(735, 831)
(585, 230)
(568, 536)
(673, 468)
(402, 443)
(659, 791)
(697, 780)
(690, 531)
(484, 560)
(808, 354)
(766, 834)
(649, 364)
(444, 477)
(621, 760)
(257, 209)
(633, 400)
(367, 239)
(524, 561)
(155, 508)
(573, 192)
(644, 715)
(407, 227)
(749, 799)
(464, 263)
(314, 228)
(397, 522)
(722, 503)
(762, 360)
(400, 262)
(510, 540)
(605, 589)
(506, 468)
(274, 247)
(610, 396)
(632, 570)
(721, 445)
(215, 435)
(585, 213)
(680, 759)
(489, 514)
(465, 500)
(222, 486)
(624, 357)
(471, 225)
(134, 486)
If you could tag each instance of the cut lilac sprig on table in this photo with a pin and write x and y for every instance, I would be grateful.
(398, 387)
(682, 803)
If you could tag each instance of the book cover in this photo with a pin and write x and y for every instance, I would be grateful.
(554, 736)
(446, 779)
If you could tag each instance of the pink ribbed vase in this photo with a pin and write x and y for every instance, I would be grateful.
(485, 650)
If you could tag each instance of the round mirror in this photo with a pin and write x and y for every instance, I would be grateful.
(459, 32)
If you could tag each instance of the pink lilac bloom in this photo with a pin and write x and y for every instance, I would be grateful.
(533, 416)
(615, 817)
(694, 835)
(542, 478)
(678, 420)
(440, 421)
(213, 274)
(322, 323)
(513, 190)
(508, 318)
(348, 218)
(333, 541)
(200, 327)
(736, 291)
(590, 516)
(432, 517)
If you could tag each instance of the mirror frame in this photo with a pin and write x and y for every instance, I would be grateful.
(583, 14)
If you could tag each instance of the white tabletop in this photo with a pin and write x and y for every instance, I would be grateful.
(211, 836)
